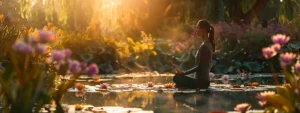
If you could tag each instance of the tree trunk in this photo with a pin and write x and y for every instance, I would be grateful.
(236, 10)
(200, 8)
(254, 11)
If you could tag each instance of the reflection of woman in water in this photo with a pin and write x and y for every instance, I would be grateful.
(203, 60)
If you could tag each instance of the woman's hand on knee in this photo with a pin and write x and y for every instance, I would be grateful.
(177, 72)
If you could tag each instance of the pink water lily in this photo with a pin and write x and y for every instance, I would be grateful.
(242, 107)
(297, 67)
(262, 96)
(104, 86)
(268, 52)
(276, 47)
(225, 79)
(280, 39)
(286, 58)
(244, 75)
(211, 75)
(262, 103)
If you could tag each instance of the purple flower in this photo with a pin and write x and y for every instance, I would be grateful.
(74, 66)
(280, 39)
(40, 48)
(297, 67)
(22, 47)
(92, 69)
(298, 59)
(45, 36)
(68, 53)
(276, 47)
(57, 56)
(242, 107)
(83, 65)
(225, 79)
(286, 58)
(268, 52)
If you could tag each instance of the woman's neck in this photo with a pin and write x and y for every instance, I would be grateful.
(205, 38)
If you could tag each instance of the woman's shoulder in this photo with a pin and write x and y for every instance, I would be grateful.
(206, 46)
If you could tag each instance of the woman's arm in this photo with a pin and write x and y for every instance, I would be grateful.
(203, 60)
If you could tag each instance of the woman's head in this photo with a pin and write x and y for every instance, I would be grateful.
(205, 30)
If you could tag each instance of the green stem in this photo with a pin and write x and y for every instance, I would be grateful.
(275, 76)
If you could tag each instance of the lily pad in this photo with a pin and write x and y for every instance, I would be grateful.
(107, 68)
(253, 66)
(86, 57)
(237, 64)
(220, 69)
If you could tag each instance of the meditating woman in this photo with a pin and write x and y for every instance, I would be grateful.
(203, 60)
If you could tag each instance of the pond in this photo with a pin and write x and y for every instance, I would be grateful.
(175, 101)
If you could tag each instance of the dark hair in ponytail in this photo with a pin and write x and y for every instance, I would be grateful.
(210, 29)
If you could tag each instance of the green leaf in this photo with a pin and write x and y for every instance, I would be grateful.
(220, 69)
(86, 57)
(213, 63)
(8, 72)
(295, 45)
(237, 64)
(106, 67)
(253, 66)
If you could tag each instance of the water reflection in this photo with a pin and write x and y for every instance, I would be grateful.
(168, 101)
(195, 102)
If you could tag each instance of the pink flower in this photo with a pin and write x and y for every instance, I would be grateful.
(173, 51)
(150, 84)
(262, 96)
(211, 75)
(244, 75)
(276, 47)
(40, 48)
(262, 103)
(268, 52)
(298, 59)
(45, 36)
(74, 66)
(225, 79)
(286, 58)
(92, 69)
(242, 107)
(104, 86)
(280, 39)
(297, 67)
(67, 52)
(22, 47)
